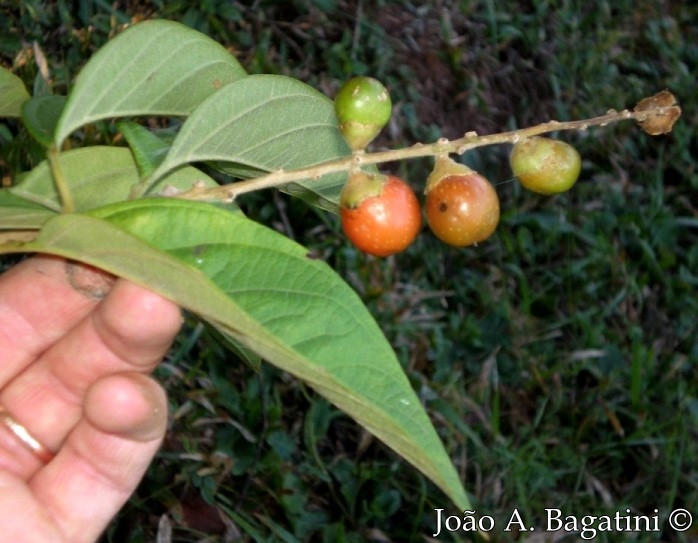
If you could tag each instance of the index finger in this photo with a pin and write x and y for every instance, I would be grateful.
(38, 305)
(130, 329)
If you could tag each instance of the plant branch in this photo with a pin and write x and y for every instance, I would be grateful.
(471, 140)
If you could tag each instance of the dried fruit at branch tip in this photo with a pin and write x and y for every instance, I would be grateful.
(663, 121)
(380, 214)
(544, 165)
(363, 107)
(462, 207)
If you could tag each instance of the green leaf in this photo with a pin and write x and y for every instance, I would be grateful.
(16, 213)
(155, 67)
(13, 93)
(97, 176)
(262, 290)
(245, 354)
(260, 124)
(148, 149)
(40, 115)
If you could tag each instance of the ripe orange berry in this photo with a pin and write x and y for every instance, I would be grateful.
(462, 207)
(380, 214)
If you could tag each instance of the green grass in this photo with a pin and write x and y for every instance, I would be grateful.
(557, 360)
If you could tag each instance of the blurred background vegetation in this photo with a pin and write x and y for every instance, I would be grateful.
(558, 360)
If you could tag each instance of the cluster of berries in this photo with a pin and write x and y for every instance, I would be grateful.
(381, 214)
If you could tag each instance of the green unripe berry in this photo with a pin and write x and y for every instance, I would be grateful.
(363, 107)
(544, 165)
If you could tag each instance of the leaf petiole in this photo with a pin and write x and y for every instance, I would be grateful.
(67, 202)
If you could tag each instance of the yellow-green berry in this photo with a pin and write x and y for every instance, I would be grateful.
(363, 107)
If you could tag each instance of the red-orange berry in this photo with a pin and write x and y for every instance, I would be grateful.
(380, 214)
(462, 207)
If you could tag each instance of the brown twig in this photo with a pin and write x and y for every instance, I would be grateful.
(471, 140)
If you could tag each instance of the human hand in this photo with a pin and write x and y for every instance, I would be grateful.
(74, 375)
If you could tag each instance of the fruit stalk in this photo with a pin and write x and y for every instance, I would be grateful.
(471, 140)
